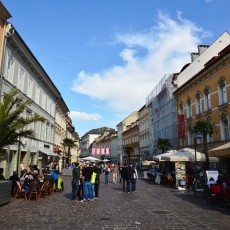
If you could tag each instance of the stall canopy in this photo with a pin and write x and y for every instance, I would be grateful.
(188, 154)
(221, 151)
(159, 157)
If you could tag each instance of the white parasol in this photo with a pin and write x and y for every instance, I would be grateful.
(90, 158)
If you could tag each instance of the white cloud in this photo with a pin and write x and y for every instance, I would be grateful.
(84, 116)
(148, 56)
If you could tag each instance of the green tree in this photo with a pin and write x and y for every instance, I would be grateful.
(163, 144)
(70, 143)
(12, 125)
(204, 127)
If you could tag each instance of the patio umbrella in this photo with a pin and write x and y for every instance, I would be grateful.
(167, 154)
(179, 156)
(90, 158)
(221, 151)
(188, 154)
(105, 160)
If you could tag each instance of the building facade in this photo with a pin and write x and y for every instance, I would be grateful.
(162, 115)
(121, 127)
(144, 132)
(131, 143)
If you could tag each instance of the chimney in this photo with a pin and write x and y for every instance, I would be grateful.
(202, 48)
(194, 56)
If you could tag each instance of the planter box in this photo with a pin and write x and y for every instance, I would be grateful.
(5, 191)
(67, 172)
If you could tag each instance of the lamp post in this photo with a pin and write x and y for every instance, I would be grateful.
(195, 147)
(19, 155)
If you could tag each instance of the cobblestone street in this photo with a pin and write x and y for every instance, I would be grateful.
(151, 207)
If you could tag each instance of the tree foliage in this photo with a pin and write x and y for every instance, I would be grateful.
(69, 143)
(13, 125)
(163, 144)
(204, 127)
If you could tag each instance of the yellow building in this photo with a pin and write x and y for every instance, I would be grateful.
(206, 96)
(131, 143)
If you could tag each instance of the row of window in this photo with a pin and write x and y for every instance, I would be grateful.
(27, 84)
(222, 96)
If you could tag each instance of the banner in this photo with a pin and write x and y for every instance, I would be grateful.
(98, 151)
(102, 151)
(93, 151)
(181, 130)
(107, 151)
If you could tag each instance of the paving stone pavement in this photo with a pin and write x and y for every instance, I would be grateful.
(150, 207)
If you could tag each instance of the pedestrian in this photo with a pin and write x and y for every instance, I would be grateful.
(75, 181)
(115, 171)
(125, 180)
(133, 180)
(97, 182)
(106, 172)
(80, 186)
(55, 177)
(87, 185)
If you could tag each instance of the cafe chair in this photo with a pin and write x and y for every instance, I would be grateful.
(44, 189)
(19, 192)
(214, 193)
(50, 187)
(34, 190)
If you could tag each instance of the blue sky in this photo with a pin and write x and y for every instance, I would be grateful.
(105, 56)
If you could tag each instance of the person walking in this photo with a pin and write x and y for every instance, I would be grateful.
(133, 179)
(87, 185)
(107, 170)
(97, 182)
(80, 186)
(115, 173)
(75, 181)
(125, 178)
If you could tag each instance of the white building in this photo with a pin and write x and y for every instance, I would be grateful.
(21, 69)
(162, 114)
(201, 58)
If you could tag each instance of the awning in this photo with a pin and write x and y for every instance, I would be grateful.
(48, 152)
(221, 151)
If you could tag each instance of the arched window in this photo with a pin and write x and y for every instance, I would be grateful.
(181, 109)
(207, 99)
(190, 135)
(189, 108)
(224, 126)
(209, 137)
(222, 91)
(198, 103)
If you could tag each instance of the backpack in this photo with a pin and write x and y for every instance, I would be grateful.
(106, 172)
(130, 171)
